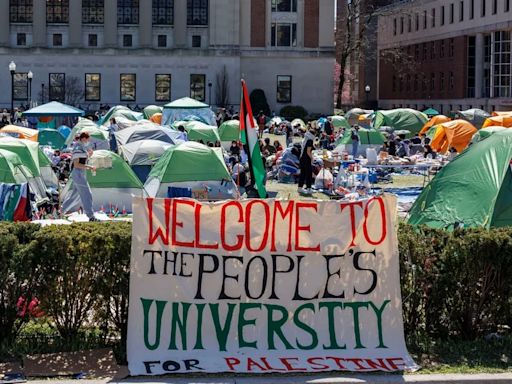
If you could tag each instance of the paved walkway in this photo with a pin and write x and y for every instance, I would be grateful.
(342, 379)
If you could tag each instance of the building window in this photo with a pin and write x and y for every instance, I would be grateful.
(128, 87)
(441, 49)
(425, 50)
(57, 39)
(425, 19)
(284, 89)
(57, 88)
(284, 35)
(471, 66)
(162, 41)
(451, 12)
(162, 87)
(507, 5)
(21, 39)
(432, 50)
(501, 74)
(451, 47)
(163, 12)
(394, 26)
(196, 41)
(409, 24)
(433, 18)
(57, 11)
(393, 84)
(416, 52)
(494, 6)
(442, 15)
(92, 87)
(471, 9)
(127, 12)
(93, 40)
(20, 86)
(408, 83)
(417, 21)
(441, 81)
(197, 12)
(197, 87)
(461, 11)
(401, 25)
(415, 86)
(93, 11)
(451, 80)
(284, 5)
(424, 83)
(20, 11)
(482, 9)
(127, 41)
(432, 81)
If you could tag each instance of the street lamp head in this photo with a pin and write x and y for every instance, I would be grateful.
(367, 89)
(210, 84)
(30, 75)
(12, 67)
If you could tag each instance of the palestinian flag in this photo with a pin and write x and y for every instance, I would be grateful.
(249, 133)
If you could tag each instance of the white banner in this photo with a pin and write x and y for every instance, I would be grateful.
(265, 286)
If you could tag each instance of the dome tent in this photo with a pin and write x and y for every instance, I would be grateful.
(455, 133)
(197, 130)
(146, 131)
(98, 135)
(475, 116)
(112, 186)
(438, 119)
(118, 111)
(52, 138)
(474, 189)
(187, 109)
(192, 166)
(400, 119)
(229, 130)
(142, 155)
(370, 138)
(150, 110)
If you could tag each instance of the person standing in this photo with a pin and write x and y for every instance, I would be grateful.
(356, 140)
(112, 129)
(306, 163)
(183, 134)
(80, 185)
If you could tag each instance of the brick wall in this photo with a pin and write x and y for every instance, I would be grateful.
(258, 11)
(311, 23)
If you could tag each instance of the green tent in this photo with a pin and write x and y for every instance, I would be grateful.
(400, 119)
(474, 189)
(486, 132)
(368, 136)
(99, 136)
(117, 111)
(52, 138)
(229, 130)
(340, 122)
(200, 131)
(150, 110)
(431, 112)
(352, 115)
(191, 165)
(475, 116)
(115, 184)
(12, 169)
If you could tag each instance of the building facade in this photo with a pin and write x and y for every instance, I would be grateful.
(141, 52)
(447, 54)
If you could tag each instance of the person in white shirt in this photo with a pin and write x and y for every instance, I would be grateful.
(183, 134)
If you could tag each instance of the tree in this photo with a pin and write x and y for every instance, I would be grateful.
(259, 102)
(222, 88)
(72, 94)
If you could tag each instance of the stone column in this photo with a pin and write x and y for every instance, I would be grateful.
(75, 23)
(4, 24)
(145, 24)
(110, 24)
(180, 23)
(479, 65)
(39, 37)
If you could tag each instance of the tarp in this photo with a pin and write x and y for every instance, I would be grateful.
(475, 116)
(150, 110)
(217, 286)
(20, 132)
(187, 109)
(474, 189)
(201, 131)
(456, 134)
(229, 130)
(353, 114)
(143, 152)
(147, 131)
(433, 121)
(52, 138)
(431, 112)
(54, 108)
(340, 122)
(400, 119)
(115, 186)
(498, 121)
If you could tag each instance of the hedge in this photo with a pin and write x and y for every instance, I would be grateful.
(454, 285)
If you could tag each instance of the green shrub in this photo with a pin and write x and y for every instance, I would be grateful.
(259, 102)
(291, 112)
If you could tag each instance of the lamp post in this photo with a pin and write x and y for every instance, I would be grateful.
(42, 93)
(12, 69)
(210, 92)
(367, 90)
(30, 76)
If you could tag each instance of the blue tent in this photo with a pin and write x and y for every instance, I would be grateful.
(64, 130)
(54, 109)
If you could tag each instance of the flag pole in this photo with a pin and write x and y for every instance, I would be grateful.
(247, 150)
